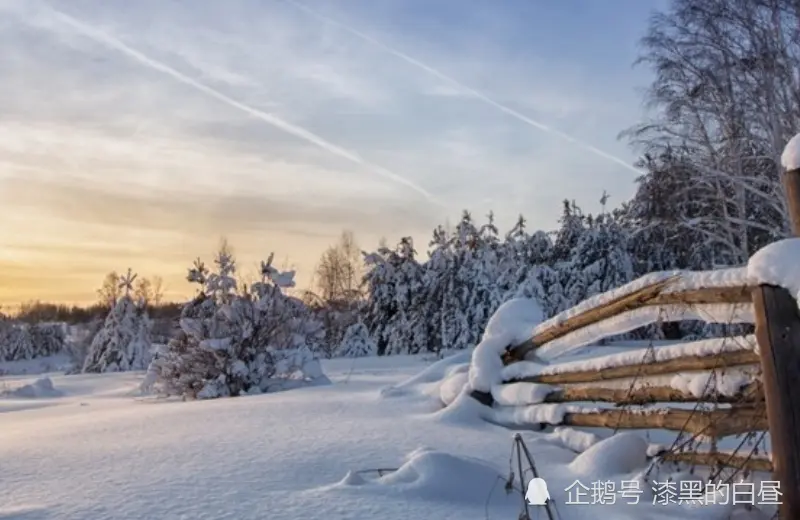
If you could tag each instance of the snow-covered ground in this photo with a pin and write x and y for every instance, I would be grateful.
(55, 363)
(92, 449)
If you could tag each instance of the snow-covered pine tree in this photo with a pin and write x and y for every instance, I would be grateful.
(599, 262)
(238, 343)
(459, 323)
(392, 311)
(436, 282)
(406, 329)
(486, 294)
(356, 342)
(222, 284)
(379, 307)
(566, 237)
(23, 341)
(123, 343)
(48, 338)
(18, 343)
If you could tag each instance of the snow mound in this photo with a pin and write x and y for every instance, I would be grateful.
(451, 388)
(511, 324)
(42, 387)
(443, 379)
(352, 479)
(434, 475)
(790, 159)
(465, 411)
(619, 454)
(575, 440)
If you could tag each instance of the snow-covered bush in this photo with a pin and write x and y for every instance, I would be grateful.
(357, 343)
(123, 343)
(238, 343)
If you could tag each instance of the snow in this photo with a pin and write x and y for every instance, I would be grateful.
(633, 319)
(704, 383)
(520, 319)
(427, 474)
(42, 387)
(619, 454)
(38, 365)
(520, 393)
(677, 281)
(102, 452)
(634, 357)
(777, 264)
(536, 414)
(790, 159)
(509, 325)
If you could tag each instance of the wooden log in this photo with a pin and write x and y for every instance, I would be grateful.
(652, 295)
(714, 423)
(719, 459)
(778, 335)
(616, 306)
(485, 398)
(670, 366)
(791, 184)
(640, 395)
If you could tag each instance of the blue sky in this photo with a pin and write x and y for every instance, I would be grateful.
(136, 133)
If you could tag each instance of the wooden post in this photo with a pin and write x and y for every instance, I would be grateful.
(791, 183)
(778, 334)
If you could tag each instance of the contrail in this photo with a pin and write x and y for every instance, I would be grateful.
(483, 97)
(271, 119)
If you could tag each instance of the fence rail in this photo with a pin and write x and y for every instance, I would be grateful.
(706, 390)
(658, 294)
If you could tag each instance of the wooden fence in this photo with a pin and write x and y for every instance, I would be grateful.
(752, 383)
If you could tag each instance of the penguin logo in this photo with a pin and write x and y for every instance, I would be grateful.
(537, 494)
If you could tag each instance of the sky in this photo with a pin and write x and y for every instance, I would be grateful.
(137, 134)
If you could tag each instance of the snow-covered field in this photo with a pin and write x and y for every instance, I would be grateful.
(90, 448)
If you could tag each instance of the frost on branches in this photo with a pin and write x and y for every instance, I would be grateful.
(123, 343)
(357, 343)
(238, 342)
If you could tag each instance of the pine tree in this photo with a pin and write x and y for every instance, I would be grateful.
(599, 262)
(17, 343)
(123, 343)
(234, 343)
(357, 343)
(566, 238)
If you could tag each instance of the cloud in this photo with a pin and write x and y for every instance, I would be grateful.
(96, 142)
(200, 214)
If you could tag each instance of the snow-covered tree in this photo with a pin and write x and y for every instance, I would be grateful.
(222, 284)
(599, 262)
(17, 343)
(123, 343)
(357, 343)
(48, 338)
(24, 341)
(234, 343)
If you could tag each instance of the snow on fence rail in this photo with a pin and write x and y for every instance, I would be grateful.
(637, 389)
(721, 296)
